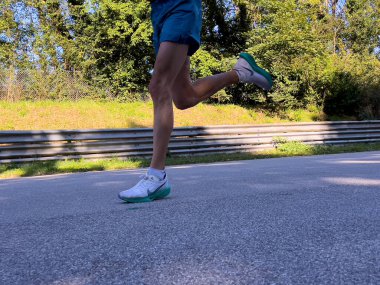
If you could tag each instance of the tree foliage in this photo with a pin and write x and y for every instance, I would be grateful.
(320, 52)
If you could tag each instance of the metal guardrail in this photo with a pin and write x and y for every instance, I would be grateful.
(25, 146)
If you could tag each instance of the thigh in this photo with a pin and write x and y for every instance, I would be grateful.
(169, 62)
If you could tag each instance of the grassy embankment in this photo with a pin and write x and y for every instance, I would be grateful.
(48, 115)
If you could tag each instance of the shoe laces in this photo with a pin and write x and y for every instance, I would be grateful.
(145, 179)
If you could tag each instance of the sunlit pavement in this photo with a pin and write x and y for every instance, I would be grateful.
(303, 220)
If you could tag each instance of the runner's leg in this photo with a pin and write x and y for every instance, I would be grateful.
(170, 59)
(187, 94)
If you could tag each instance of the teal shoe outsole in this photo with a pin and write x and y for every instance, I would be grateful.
(256, 68)
(154, 196)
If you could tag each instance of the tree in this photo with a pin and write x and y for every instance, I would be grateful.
(362, 34)
(117, 45)
(7, 27)
(17, 24)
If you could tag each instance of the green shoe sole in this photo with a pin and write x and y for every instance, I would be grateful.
(249, 58)
(154, 196)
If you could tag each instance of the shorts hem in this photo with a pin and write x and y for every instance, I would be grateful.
(188, 40)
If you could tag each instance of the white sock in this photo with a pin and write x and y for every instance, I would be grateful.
(160, 174)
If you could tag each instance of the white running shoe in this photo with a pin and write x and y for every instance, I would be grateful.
(249, 72)
(149, 188)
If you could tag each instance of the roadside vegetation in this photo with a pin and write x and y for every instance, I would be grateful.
(284, 149)
(88, 114)
(321, 53)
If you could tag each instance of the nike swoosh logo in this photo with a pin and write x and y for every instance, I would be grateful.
(250, 71)
(151, 192)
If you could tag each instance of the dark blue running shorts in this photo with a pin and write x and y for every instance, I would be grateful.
(178, 21)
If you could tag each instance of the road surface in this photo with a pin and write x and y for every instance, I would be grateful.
(301, 220)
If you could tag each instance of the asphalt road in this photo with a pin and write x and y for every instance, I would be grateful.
(304, 220)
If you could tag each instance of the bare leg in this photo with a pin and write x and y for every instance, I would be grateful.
(187, 94)
(170, 59)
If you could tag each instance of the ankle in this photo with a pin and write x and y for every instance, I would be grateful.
(234, 76)
(159, 173)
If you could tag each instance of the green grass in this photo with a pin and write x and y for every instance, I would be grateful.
(69, 166)
(86, 114)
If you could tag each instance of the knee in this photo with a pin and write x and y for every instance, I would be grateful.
(182, 104)
(159, 91)
(183, 101)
